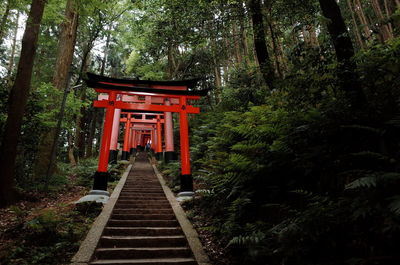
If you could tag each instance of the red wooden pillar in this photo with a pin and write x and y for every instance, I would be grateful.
(159, 139)
(101, 176)
(133, 141)
(168, 135)
(140, 147)
(126, 148)
(114, 137)
(153, 139)
(186, 176)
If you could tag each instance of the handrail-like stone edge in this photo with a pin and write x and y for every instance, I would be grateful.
(88, 246)
(187, 227)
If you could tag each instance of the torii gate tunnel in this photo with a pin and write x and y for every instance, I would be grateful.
(142, 96)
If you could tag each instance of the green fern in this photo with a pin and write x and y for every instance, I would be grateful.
(394, 206)
(364, 182)
(253, 239)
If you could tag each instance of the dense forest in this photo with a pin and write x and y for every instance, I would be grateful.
(296, 152)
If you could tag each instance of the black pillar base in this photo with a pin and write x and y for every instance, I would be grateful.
(133, 151)
(170, 156)
(159, 156)
(113, 157)
(100, 180)
(140, 148)
(186, 183)
(125, 155)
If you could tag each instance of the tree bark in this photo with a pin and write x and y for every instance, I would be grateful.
(360, 42)
(384, 28)
(349, 80)
(3, 21)
(12, 55)
(236, 44)
(363, 19)
(17, 103)
(92, 130)
(63, 64)
(260, 43)
(388, 14)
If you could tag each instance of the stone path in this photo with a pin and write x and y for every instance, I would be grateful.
(142, 228)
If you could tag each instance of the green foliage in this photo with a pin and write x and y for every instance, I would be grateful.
(301, 178)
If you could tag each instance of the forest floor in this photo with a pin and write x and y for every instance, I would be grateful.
(15, 219)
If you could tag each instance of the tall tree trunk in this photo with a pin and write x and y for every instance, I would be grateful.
(243, 36)
(17, 102)
(65, 53)
(384, 28)
(104, 61)
(363, 19)
(278, 64)
(12, 55)
(388, 14)
(80, 120)
(92, 130)
(236, 44)
(360, 42)
(260, 43)
(349, 80)
(3, 21)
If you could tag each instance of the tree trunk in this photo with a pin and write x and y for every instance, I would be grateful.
(355, 27)
(349, 80)
(363, 19)
(275, 46)
(388, 14)
(236, 44)
(260, 43)
(243, 36)
(104, 61)
(92, 130)
(80, 121)
(12, 56)
(3, 21)
(63, 64)
(71, 157)
(17, 102)
(384, 28)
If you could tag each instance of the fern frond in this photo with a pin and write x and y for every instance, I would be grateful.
(364, 182)
(394, 206)
(254, 239)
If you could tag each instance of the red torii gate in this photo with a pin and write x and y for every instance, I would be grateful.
(175, 95)
(129, 136)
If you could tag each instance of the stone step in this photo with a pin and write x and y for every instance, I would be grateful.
(134, 205)
(165, 261)
(143, 191)
(143, 216)
(142, 202)
(153, 197)
(142, 241)
(142, 231)
(142, 211)
(142, 223)
(142, 253)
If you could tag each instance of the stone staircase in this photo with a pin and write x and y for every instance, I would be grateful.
(143, 229)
